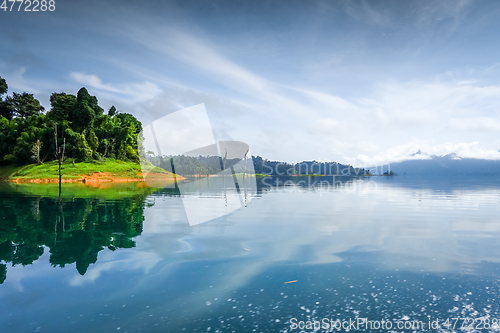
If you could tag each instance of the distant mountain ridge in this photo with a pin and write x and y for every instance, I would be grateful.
(450, 164)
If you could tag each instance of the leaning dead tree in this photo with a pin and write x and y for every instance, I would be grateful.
(35, 151)
(59, 154)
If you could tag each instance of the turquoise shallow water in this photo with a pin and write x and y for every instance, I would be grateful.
(395, 249)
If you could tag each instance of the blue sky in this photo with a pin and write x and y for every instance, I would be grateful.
(363, 82)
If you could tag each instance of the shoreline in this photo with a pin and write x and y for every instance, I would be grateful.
(98, 177)
(92, 172)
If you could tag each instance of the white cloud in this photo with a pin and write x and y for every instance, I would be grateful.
(133, 91)
(479, 124)
(405, 152)
(93, 81)
(204, 57)
(132, 260)
(17, 81)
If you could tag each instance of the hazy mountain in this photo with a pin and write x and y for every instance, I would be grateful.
(450, 164)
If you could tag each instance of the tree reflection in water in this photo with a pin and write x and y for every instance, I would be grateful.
(73, 230)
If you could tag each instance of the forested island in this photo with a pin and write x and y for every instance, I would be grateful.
(75, 131)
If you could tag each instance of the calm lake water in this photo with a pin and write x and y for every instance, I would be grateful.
(400, 249)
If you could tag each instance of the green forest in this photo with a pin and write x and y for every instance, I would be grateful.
(209, 165)
(76, 124)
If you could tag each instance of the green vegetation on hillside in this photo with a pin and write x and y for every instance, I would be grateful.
(111, 167)
(28, 134)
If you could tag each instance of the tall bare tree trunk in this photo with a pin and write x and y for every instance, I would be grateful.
(60, 157)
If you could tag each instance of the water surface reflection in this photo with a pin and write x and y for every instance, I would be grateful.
(378, 248)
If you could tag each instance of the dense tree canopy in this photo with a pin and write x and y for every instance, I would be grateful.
(24, 105)
(4, 109)
(3, 86)
(209, 165)
(87, 131)
(61, 104)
